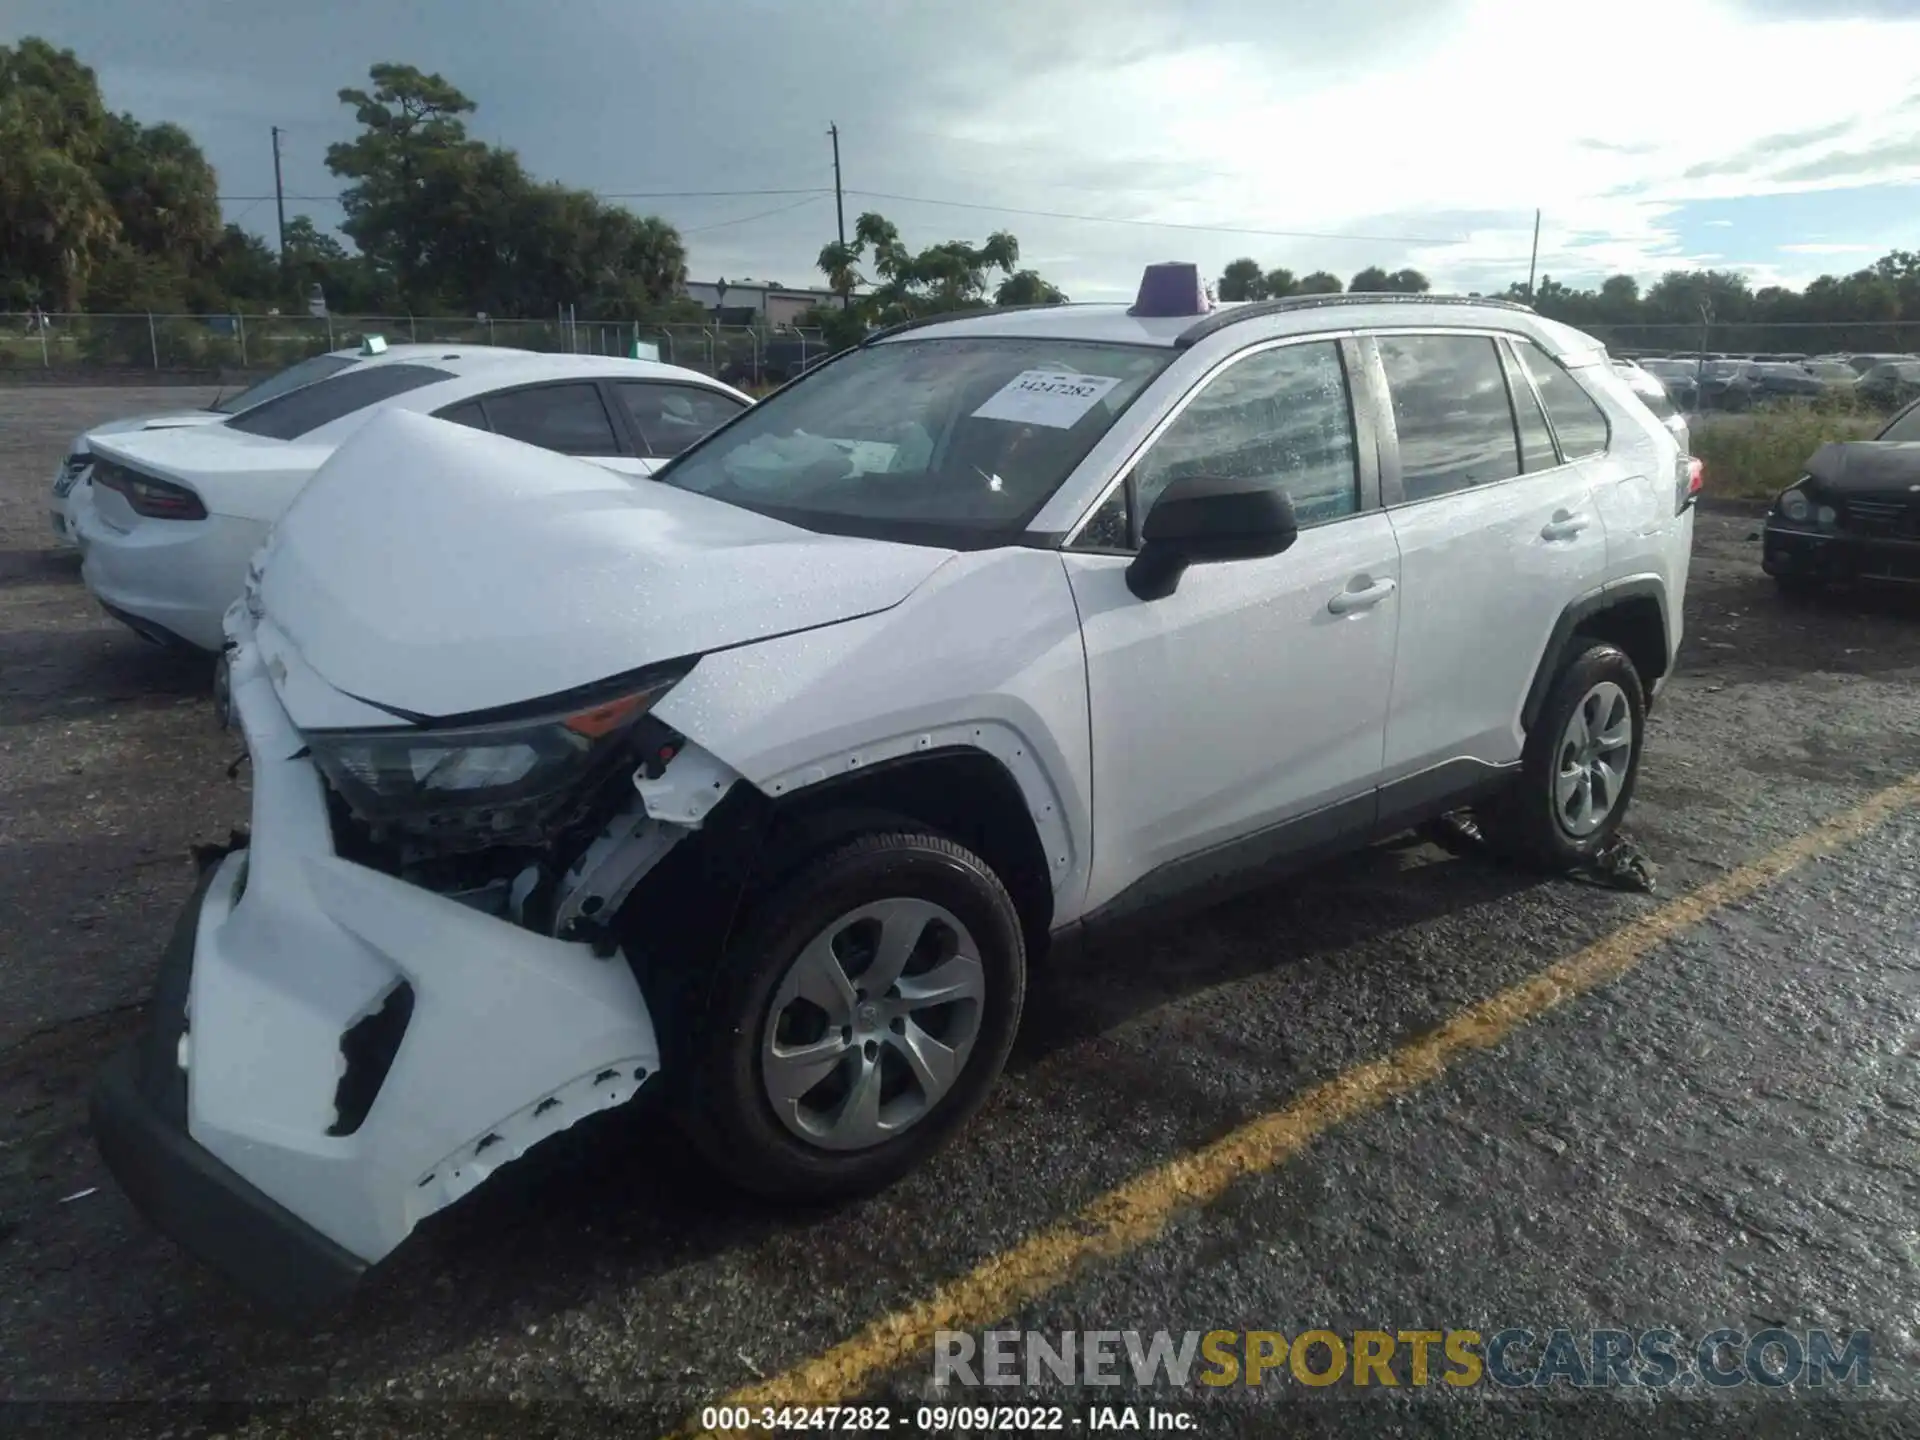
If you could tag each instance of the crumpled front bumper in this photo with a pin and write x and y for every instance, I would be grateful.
(335, 1054)
(1802, 552)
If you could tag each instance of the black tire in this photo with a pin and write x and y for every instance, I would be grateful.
(1523, 824)
(725, 1109)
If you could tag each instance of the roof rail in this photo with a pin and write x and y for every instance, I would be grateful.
(1252, 310)
(921, 321)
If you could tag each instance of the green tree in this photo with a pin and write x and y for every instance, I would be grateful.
(446, 222)
(1374, 280)
(412, 150)
(1242, 280)
(953, 275)
(1683, 296)
(162, 190)
(244, 271)
(1025, 287)
(56, 222)
(1277, 284)
(1320, 282)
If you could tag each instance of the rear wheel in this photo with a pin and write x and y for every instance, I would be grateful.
(859, 1019)
(1578, 771)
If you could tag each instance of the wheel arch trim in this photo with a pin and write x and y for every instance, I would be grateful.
(1577, 613)
(995, 739)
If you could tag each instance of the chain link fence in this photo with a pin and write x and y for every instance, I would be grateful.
(109, 346)
(1749, 339)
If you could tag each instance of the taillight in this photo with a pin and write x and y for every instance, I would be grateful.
(1689, 477)
(154, 499)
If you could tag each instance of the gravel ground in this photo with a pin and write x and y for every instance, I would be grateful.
(1727, 1135)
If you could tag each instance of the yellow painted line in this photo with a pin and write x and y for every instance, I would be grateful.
(1132, 1214)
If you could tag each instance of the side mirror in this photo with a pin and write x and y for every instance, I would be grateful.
(1202, 518)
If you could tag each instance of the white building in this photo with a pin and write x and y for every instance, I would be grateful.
(779, 305)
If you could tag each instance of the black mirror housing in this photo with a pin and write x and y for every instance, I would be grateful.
(1204, 518)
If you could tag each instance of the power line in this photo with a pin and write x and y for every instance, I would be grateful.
(601, 194)
(743, 219)
(1162, 224)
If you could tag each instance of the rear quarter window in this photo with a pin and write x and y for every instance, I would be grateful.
(307, 409)
(1578, 421)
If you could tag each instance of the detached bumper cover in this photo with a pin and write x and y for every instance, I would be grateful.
(337, 1054)
(1836, 555)
(139, 1113)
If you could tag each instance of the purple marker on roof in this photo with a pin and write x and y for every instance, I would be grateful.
(1173, 287)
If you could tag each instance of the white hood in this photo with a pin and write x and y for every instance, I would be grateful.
(441, 570)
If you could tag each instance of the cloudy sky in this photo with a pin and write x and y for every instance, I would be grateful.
(1781, 137)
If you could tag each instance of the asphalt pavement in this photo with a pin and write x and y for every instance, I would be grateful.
(1347, 1103)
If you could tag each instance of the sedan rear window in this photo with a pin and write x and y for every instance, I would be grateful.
(308, 408)
(672, 417)
(307, 372)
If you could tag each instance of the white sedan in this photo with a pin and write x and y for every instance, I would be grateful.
(70, 479)
(175, 515)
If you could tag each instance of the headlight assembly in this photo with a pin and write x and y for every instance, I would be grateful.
(1795, 505)
(497, 782)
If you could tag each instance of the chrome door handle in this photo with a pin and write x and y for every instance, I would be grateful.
(1348, 601)
(1563, 526)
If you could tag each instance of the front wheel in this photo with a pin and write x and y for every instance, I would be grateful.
(1579, 767)
(858, 1020)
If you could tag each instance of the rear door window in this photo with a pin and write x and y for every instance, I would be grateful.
(299, 411)
(1451, 411)
(669, 418)
(569, 418)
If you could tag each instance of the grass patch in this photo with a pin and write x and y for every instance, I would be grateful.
(1756, 455)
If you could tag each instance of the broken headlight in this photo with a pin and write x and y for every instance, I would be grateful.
(495, 781)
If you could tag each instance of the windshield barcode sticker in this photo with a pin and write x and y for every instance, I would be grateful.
(1055, 398)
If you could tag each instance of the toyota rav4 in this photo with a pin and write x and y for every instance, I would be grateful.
(763, 785)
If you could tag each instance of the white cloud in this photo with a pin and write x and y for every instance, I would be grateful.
(1522, 103)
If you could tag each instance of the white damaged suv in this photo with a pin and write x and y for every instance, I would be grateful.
(764, 784)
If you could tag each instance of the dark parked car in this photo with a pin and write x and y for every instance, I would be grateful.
(1890, 386)
(1678, 377)
(1855, 514)
(1863, 363)
(1779, 381)
(1728, 385)
(1834, 374)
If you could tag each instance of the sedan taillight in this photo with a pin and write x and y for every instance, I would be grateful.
(155, 499)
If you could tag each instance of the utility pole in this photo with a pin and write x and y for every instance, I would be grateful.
(280, 199)
(839, 205)
(1534, 263)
